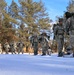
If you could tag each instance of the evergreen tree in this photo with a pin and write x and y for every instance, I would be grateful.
(26, 19)
(34, 16)
(70, 7)
(13, 12)
(2, 7)
(7, 32)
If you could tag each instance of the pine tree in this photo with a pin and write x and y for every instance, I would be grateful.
(13, 11)
(34, 16)
(2, 8)
(7, 31)
(70, 7)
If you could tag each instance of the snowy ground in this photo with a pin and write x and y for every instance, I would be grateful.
(25, 64)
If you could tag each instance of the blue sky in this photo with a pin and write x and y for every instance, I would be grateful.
(54, 7)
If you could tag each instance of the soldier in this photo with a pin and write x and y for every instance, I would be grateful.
(70, 31)
(67, 15)
(12, 47)
(20, 47)
(44, 45)
(54, 42)
(6, 47)
(59, 32)
(31, 39)
(35, 43)
(54, 38)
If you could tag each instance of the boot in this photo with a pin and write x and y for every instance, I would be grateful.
(60, 54)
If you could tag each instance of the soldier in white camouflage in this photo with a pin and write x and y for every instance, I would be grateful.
(13, 47)
(20, 46)
(44, 44)
(6, 47)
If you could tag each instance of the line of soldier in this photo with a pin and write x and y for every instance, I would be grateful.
(13, 47)
(64, 27)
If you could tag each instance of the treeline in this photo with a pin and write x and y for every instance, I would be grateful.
(20, 20)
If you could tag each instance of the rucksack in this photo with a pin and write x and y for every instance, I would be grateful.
(44, 42)
(71, 27)
(35, 39)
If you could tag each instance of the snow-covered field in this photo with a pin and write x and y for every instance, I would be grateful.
(25, 64)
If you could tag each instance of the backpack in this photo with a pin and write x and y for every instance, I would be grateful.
(35, 39)
(44, 42)
(60, 31)
(71, 27)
